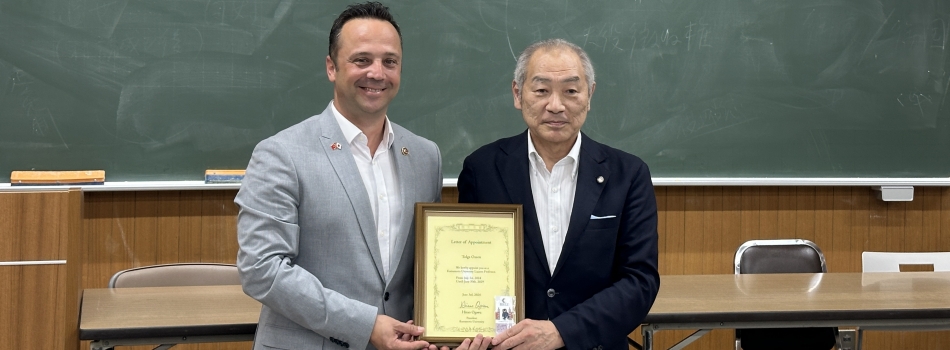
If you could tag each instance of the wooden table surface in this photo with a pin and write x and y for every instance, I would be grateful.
(854, 299)
(684, 301)
(166, 311)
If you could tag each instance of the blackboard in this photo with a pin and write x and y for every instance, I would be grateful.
(162, 90)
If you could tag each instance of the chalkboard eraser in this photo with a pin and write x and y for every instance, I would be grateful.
(223, 176)
(49, 178)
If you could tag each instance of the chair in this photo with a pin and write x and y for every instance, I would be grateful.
(182, 274)
(891, 262)
(782, 256)
(173, 275)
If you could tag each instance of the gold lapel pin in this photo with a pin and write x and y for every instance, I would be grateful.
(405, 151)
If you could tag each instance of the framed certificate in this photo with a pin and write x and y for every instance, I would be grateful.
(469, 270)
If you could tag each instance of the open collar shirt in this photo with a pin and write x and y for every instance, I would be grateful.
(379, 179)
(553, 193)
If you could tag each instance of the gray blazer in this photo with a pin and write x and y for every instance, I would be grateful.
(308, 248)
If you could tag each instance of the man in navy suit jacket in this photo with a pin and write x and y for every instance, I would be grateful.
(589, 210)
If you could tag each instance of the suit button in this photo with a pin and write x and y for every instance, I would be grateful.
(386, 296)
(551, 293)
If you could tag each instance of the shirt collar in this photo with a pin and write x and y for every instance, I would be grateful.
(573, 154)
(351, 132)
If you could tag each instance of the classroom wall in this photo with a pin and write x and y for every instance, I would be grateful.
(130, 229)
(31, 302)
(699, 227)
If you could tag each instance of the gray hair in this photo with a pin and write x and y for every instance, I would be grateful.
(522, 66)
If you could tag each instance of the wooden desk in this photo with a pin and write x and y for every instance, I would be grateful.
(704, 302)
(167, 315)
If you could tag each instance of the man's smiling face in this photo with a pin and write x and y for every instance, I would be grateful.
(367, 68)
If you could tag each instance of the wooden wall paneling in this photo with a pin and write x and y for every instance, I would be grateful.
(130, 229)
(944, 218)
(32, 309)
(720, 228)
(219, 227)
(896, 219)
(103, 251)
(731, 226)
(768, 213)
(713, 250)
(9, 305)
(144, 233)
(96, 223)
(693, 224)
(786, 206)
(189, 226)
(838, 255)
(750, 214)
(823, 218)
(122, 235)
(229, 220)
(860, 222)
(109, 226)
(218, 244)
(895, 237)
(450, 195)
(913, 225)
(168, 226)
(210, 247)
(71, 295)
(929, 216)
(34, 300)
(32, 226)
(671, 203)
(662, 239)
(10, 226)
(672, 257)
(805, 214)
(877, 225)
(921, 233)
(660, 224)
(699, 228)
(122, 248)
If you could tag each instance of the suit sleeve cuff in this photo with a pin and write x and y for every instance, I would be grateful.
(353, 324)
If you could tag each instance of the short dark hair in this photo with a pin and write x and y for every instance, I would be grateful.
(370, 9)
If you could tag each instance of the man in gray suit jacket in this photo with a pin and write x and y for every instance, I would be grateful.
(325, 225)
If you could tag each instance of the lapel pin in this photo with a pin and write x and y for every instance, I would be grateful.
(336, 146)
(405, 151)
(600, 179)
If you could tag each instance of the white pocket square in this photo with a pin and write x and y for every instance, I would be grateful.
(595, 217)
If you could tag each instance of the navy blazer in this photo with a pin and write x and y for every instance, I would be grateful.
(606, 278)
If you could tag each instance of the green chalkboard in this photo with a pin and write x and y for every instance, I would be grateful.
(162, 90)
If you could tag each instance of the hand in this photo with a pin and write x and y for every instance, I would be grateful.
(529, 335)
(407, 336)
(388, 333)
(478, 343)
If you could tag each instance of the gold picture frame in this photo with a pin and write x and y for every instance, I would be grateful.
(469, 266)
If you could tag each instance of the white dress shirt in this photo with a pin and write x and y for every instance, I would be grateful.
(553, 193)
(379, 178)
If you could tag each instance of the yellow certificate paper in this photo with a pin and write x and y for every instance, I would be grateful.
(468, 270)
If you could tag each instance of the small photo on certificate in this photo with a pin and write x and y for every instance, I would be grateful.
(504, 313)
